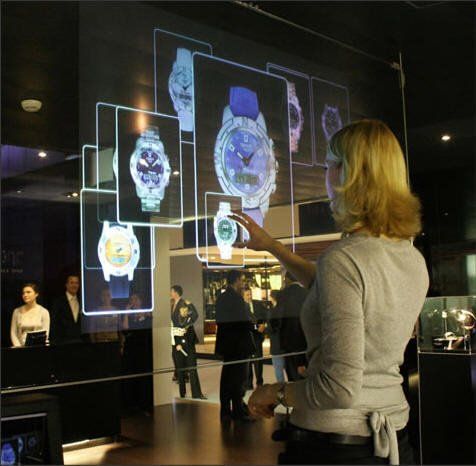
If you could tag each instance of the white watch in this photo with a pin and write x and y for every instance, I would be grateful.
(181, 89)
(225, 230)
(118, 253)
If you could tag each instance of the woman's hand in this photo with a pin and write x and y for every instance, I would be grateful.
(259, 240)
(263, 401)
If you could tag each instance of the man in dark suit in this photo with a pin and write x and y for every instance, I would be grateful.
(184, 315)
(234, 342)
(291, 336)
(66, 314)
(258, 316)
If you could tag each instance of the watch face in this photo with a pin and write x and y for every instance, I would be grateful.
(225, 230)
(150, 168)
(294, 116)
(331, 121)
(180, 87)
(8, 454)
(118, 249)
(245, 161)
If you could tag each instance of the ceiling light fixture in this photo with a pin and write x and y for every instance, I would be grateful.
(74, 194)
(31, 105)
(176, 173)
(42, 154)
(19, 191)
(445, 137)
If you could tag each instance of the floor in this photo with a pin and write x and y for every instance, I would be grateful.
(188, 431)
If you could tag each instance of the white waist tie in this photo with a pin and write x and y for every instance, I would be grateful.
(385, 437)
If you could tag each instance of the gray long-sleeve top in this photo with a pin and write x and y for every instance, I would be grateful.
(358, 318)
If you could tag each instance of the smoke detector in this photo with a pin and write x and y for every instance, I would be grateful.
(31, 105)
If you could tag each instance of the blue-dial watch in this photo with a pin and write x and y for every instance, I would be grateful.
(245, 163)
(150, 169)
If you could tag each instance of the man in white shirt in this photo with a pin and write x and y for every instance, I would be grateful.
(66, 314)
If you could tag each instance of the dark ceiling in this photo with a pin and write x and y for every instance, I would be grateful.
(40, 58)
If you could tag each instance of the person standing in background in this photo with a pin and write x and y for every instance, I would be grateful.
(291, 336)
(66, 313)
(273, 329)
(234, 342)
(184, 316)
(257, 315)
(31, 317)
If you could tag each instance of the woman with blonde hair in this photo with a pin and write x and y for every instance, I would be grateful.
(366, 292)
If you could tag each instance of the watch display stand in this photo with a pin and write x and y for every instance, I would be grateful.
(447, 371)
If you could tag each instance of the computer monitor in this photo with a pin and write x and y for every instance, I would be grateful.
(36, 338)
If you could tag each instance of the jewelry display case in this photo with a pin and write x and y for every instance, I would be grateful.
(447, 380)
(448, 324)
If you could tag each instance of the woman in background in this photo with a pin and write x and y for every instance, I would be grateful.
(31, 317)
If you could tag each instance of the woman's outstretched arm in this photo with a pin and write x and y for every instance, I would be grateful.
(303, 270)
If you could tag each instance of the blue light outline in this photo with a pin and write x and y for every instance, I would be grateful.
(151, 224)
(207, 254)
(152, 231)
(255, 70)
(311, 108)
(125, 311)
(314, 78)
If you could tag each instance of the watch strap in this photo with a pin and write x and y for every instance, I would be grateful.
(244, 102)
(256, 215)
(184, 57)
(119, 287)
(150, 203)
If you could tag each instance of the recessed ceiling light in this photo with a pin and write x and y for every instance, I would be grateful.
(31, 105)
(42, 154)
(74, 194)
(175, 173)
(19, 191)
(445, 137)
(68, 195)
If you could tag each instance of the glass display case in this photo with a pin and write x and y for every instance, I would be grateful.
(448, 324)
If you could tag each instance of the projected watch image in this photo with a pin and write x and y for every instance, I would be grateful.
(244, 158)
(180, 88)
(296, 118)
(118, 253)
(150, 169)
(225, 230)
(331, 121)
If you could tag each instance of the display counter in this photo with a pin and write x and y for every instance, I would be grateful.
(447, 367)
(87, 410)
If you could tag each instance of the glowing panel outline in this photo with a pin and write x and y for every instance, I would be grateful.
(311, 109)
(83, 163)
(143, 224)
(98, 104)
(239, 227)
(255, 70)
(116, 311)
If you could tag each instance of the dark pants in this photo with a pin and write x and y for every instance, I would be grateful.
(186, 365)
(322, 452)
(258, 365)
(232, 387)
(291, 364)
